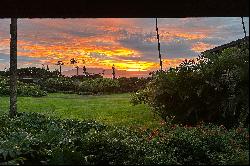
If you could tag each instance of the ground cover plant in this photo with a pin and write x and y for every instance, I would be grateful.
(32, 138)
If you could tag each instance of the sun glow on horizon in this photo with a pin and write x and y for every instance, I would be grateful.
(128, 43)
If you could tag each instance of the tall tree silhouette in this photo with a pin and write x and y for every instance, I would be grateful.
(84, 70)
(74, 61)
(60, 63)
(77, 70)
(13, 67)
(113, 71)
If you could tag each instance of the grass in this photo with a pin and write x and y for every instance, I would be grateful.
(112, 109)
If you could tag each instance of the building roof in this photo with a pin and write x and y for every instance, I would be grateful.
(231, 44)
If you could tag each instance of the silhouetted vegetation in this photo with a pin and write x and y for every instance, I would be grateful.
(23, 89)
(32, 72)
(213, 89)
(52, 81)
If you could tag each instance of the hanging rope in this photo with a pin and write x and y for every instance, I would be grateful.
(159, 45)
(244, 29)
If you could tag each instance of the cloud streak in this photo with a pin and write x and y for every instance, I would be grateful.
(129, 43)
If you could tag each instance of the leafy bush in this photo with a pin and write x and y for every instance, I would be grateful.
(114, 146)
(32, 138)
(103, 85)
(23, 89)
(84, 86)
(32, 72)
(93, 86)
(213, 89)
(132, 84)
(59, 84)
(203, 144)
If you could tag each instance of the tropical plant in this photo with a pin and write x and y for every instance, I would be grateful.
(212, 89)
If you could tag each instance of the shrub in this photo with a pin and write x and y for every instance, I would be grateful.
(84, 86)
(31, 138)
(114, 146)
(203, 144)
(213, 89)
(97, 85)
(23, 89)
(32, 72)
(103, 85)
(132, 84)
(59, 84)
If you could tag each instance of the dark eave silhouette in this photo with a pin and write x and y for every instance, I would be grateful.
(228, 45)
(123, 8)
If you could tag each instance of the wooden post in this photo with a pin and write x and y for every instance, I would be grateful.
(13, 67)
(159, 45)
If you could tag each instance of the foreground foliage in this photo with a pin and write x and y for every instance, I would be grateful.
(32, 138)
(215, 89)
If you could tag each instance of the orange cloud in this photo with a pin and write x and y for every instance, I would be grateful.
(130, 65)
(200, 46)
(95, 42)
(172, 62)
(81, 50)
(171, 34)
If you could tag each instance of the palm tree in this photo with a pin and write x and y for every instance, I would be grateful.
(73, 61)
(113, 69)
(60, 63)
(13, 68)
(84, 70)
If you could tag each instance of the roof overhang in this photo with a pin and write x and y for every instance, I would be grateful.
(231, 44)
(120, 8)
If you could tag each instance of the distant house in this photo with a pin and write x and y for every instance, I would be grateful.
(228, 45)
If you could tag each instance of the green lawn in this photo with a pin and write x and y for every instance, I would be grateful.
(112, 109)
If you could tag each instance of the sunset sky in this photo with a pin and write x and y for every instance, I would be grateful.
(128, 43)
